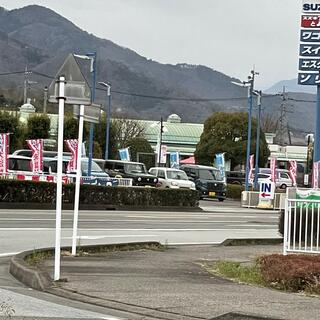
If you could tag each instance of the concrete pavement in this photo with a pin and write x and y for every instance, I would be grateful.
(172, 284)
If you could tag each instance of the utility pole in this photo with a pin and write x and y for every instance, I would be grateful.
(160, 142)
(283, 130)
(250, 82)
(25, 84)
(257, 141)
(45, 98)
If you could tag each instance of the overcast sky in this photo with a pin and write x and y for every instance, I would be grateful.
(230, 36)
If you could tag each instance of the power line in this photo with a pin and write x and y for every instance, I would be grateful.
(132, 94)
(11, 73)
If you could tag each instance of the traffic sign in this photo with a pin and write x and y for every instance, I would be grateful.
(91, 114)
(77, 90)
(267, 190)
(309, 52)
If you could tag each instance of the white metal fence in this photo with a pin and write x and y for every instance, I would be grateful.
(301, 226)
(119, 182)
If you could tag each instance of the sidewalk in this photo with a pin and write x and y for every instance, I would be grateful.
(171, 284)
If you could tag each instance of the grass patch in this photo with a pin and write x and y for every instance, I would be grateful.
(293, 273)
(85, 251)
(238, 271)
(37, 256)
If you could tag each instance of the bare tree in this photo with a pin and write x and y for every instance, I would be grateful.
(126, 129)
(269, 124)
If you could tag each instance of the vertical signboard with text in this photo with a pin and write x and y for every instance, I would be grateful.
(309, 52)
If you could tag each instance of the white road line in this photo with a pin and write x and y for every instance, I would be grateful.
(124, 229)
(252, 225)
(115, 236)
(112, 220)
(8, 254)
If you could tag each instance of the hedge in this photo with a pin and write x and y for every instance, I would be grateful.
(14, 191)
(234, 191)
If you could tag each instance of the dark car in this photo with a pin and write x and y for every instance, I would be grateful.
(236, 177)
(126, 169)
(208, 181)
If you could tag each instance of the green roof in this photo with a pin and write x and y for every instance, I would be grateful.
(175, 133)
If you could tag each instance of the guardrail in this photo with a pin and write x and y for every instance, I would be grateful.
(115, 182)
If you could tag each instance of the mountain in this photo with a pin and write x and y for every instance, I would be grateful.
(291, 86)
(40, 38)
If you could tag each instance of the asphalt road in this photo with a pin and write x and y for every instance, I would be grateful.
(27, 229)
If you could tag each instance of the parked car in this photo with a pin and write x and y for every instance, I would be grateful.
(236, 177)
(207, 179)
(172, 178)
(283, 179)
(22, 165)
(127, 169)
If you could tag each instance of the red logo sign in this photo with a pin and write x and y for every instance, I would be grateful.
(308, 21)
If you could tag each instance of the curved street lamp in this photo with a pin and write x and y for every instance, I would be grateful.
(108, 114)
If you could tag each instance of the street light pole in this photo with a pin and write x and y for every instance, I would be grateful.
(259, 94)
(250, 82)
(93, 95)
(160, 142)
(108, 115)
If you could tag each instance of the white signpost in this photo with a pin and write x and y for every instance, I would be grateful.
(70, 87)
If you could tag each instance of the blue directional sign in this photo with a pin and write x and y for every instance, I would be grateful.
(309, 35)
(309, 64)
(308, 78)
(309, 50)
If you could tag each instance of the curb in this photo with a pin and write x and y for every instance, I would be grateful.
(248, 241)
(70, 206)
(38, 279)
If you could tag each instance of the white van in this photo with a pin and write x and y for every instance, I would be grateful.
(172, 178)
(283, 179)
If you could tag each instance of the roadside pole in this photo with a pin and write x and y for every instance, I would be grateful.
(316, 155)
(61, 98)
(77, 187)
(257, 143)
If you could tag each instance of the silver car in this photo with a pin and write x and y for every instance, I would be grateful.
(172, 178)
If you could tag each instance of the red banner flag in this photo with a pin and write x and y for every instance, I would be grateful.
(250, 175)
(273, 167)
(72, 145)
(293, 171)
(36, 145)
(4, 152)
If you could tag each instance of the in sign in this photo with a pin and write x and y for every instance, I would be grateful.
(266, 190)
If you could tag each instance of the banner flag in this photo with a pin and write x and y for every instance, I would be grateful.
(174, 160)
(250, 175)
(293, 171)
(220, 164)
(36, 146)
(4, 152)
(124, 154)
(72, 145)
(163, 158)
(273, 167)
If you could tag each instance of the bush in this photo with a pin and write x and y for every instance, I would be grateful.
(234, 191)
(14, 191)
(292, 272)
